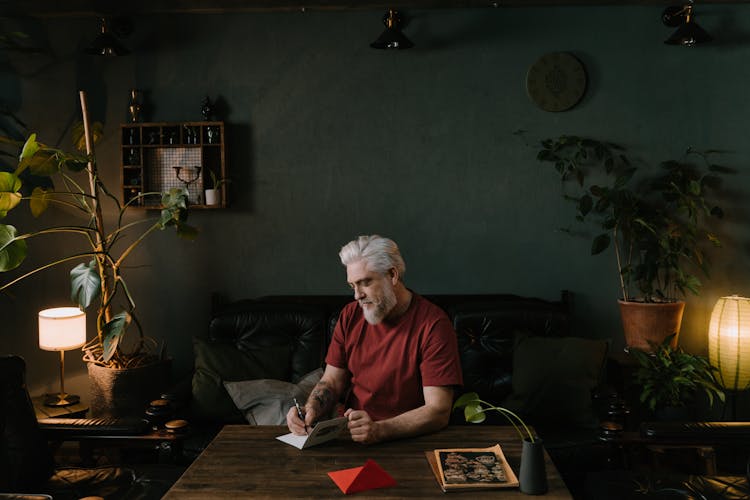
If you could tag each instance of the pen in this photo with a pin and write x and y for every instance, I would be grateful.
(299, 412)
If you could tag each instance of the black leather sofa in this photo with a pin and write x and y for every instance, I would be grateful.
(516, 351)
(285, 337)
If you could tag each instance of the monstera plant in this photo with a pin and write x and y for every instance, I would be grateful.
(97, 279)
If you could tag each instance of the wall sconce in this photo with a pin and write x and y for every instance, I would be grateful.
(688, 32)
(392, 38)
(62, 329)
(106, 44)
(729, 342)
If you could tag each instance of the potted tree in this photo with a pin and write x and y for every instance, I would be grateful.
(656, 223)
(99, 280)
(671, 378)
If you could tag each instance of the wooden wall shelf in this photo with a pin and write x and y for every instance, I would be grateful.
(158, 156)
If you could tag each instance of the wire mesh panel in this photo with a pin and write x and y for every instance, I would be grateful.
(159, 156)
(173, 168)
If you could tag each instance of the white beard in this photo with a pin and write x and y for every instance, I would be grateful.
(385, 305)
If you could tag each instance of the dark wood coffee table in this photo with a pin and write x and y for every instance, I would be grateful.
(246, 461)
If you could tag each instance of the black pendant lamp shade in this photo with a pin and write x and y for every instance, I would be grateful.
(392, 38)
(688, 33)
(106, 44)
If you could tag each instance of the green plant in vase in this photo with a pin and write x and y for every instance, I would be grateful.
(671, 378)
(475, 409)
(657, 221)
(532, 472)
(213, 194)
(98, 279)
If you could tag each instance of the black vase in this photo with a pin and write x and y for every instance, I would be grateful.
(533, 475)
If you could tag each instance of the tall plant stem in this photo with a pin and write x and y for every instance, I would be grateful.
(97, 209)
(619, 264)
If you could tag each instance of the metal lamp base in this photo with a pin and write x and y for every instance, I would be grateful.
(61, 399)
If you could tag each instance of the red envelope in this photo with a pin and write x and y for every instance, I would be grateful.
(367, 477)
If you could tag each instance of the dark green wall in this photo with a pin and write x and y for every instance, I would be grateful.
(328, 139)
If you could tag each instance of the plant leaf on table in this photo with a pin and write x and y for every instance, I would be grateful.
(475, 409)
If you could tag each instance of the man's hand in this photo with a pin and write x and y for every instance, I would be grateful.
(362, 428)
(297, 425)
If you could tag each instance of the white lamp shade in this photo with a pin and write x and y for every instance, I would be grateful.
(62, 328)
(729, 341)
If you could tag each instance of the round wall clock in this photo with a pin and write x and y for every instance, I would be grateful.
(556, 81)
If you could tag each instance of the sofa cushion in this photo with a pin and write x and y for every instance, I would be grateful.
(553, 379)
(217, 362)
(267, 401)
(486, 329)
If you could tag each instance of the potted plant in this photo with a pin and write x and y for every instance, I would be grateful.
(656, 222)
(213, 194)
(532, 474)
(99, 280)
(670, 378)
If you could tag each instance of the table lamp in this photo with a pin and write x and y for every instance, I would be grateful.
(729, 342)
(62, 329)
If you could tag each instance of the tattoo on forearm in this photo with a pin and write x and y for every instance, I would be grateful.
(323, 396)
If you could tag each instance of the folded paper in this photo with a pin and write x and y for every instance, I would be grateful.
(367, 477)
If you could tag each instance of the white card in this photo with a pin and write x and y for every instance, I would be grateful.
(322, 432)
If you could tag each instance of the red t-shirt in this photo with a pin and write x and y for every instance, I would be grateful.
(391, 363)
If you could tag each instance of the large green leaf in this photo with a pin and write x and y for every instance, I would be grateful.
(175, 213)
(30, 148)
(465, 399)
(34, 156)
(39, 201)
(12, 251)
(474, 414)
(43, 163)
(79, 136)
(113, 332)
(85, 284)
(10, 185)
(600, 244)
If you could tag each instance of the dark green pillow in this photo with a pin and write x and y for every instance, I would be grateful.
(553, 379)
(216, 363)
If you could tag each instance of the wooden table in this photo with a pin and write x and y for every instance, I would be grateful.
(246, 461)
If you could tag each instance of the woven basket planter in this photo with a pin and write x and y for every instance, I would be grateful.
(126, 392)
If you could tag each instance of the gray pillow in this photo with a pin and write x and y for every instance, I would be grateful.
(267, 401)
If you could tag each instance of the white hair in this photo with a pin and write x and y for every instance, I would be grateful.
(381, 254)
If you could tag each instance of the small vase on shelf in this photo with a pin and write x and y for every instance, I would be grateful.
(212, 196)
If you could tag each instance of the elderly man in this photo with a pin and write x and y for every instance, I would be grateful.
(394, 351)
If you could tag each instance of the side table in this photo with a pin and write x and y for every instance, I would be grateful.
(77, 410)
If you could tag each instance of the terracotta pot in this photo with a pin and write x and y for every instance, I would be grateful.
(644, 322)
(126, 392)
